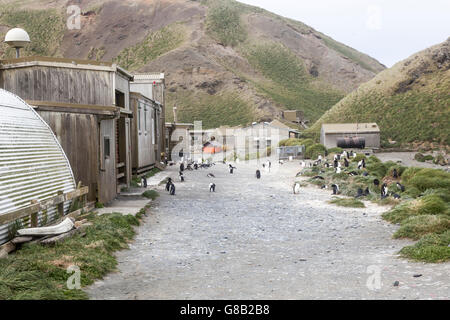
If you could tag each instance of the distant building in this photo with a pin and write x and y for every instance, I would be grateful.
(347, 134)
(146, 131)
(293, 116)
(175, 134)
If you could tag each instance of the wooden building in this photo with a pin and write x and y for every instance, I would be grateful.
(86, 104)
(152, 86)
(145, 133)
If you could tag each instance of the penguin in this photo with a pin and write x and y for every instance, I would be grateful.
(366, 192)
(172, 189)
(281, 162)
(353, 173)
(298, 174)
(335, 163)
(335, 188)
(401, 187)
(181, 176)
(365, 173)
(346, 164)
(258, 174)
(296, 188)
(360, 193)
(318, 177)
(338, 170)
(384, 191)
(324, 187)
(182, 167)
(376, 182)
(212, 187)
(144, 182)
(210, 175)
(396, 196)
(231, 170)
(169, 182)
(195, 166)
(395, 173)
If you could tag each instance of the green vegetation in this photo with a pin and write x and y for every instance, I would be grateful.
(313, 151)
(154, 45)
(224, 23)
(45, 41)
(151, 194)
(37, 272)
(214, 110)
(350, 53)
(349, 203)
(295, 142)
(434, 247)
(291, 85)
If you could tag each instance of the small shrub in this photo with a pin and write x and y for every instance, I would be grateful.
(431, 248)
(419, 157)
(313, 151)
(349, 203)
(418, 226)
(151, 194)
(336, 150)
(99, 205)
(359, 157)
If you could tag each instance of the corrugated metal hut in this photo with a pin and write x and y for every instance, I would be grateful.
(86, 104)
(33, 165)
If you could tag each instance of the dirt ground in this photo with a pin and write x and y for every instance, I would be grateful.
(255, 239)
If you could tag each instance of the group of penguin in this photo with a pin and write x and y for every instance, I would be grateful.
(361, 165)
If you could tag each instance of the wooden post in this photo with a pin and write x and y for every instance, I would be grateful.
(60, 206)
(34, 216)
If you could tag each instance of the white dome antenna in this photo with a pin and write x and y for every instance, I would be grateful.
(17, 38)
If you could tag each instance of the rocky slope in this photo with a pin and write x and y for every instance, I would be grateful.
(410, 101)
(225, 62)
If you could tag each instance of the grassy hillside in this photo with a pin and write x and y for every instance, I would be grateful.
(260, 67)
(410, 102)
(291, 85)
(154, 45)
(45, 40)
(224, 109)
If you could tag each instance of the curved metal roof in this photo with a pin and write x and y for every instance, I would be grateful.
(33, 165)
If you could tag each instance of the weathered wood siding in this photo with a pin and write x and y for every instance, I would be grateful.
(44, 83)
(107, 189)
(78, 135)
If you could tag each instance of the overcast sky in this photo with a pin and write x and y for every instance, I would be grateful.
(387, 30)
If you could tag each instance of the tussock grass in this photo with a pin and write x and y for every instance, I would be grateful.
(350, 203)
(45, 27)
(418, 226)
(153, 46)
(291, 85)
(224, 23)
(313, 151)
(151, 194)
(39, 272)
(431, 248)
(226, 108)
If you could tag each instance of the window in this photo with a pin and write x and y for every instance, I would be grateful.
(106, 147)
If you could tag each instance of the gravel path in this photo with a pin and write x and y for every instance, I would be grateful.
(254, 239)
